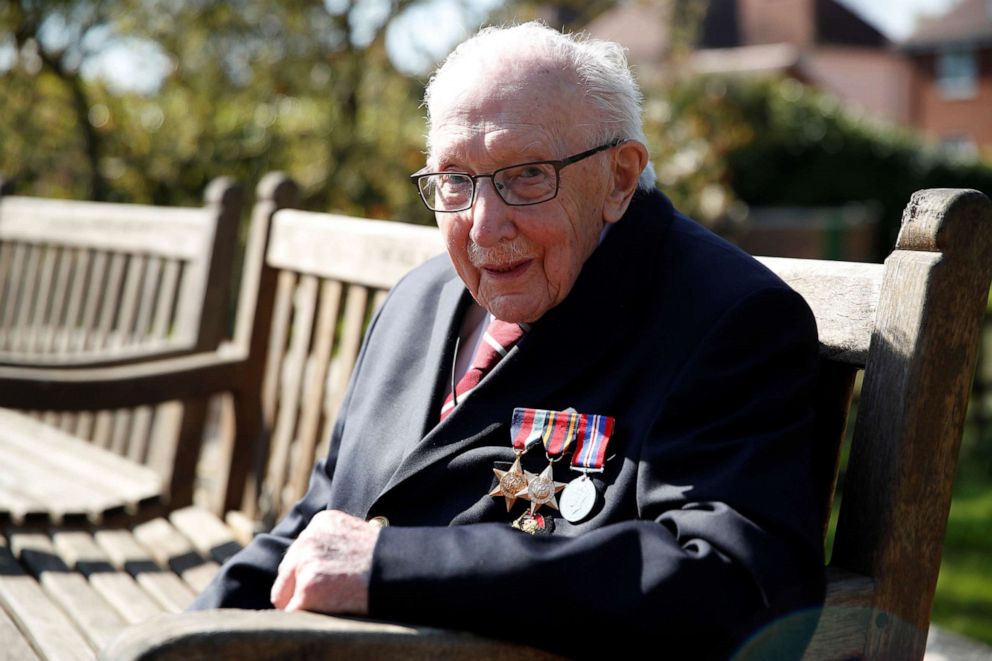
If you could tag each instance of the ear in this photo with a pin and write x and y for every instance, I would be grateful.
(629, 160)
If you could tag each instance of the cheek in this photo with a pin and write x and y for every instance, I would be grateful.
(455, 235)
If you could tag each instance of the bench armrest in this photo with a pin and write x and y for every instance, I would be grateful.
(242, 634)
(147, 382)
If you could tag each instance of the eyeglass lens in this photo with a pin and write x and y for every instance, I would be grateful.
(517, 185)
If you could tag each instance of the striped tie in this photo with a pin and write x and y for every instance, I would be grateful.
(498, 339)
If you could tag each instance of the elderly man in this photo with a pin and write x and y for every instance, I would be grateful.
(659, 372)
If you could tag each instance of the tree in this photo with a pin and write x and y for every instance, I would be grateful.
(251, 86)
(52, 39)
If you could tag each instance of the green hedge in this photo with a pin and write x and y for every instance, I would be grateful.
(780, 143)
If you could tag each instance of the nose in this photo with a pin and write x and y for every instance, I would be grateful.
(491, 217)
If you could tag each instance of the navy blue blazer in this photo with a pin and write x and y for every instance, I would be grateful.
(706, 526)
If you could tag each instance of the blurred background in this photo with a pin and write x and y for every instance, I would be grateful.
(793, 127)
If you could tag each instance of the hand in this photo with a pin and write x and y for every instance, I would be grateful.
(327, 568)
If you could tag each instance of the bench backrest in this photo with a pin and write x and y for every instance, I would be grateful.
(911, 324)
(85, 283)
(322, 276)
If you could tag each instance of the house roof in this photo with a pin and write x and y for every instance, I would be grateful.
(968, 22)
(837, 24)
(834, 24)
(642, 27)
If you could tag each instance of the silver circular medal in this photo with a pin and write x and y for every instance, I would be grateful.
(578, 499)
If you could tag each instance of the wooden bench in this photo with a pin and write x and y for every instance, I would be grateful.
(85, 286)
(911, 325)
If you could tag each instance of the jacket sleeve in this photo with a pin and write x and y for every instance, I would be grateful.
(245, 580)
(726, 536)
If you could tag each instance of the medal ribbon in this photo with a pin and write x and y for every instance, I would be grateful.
(560, 432)
(594, 435)
(556, 430)
(527, 428)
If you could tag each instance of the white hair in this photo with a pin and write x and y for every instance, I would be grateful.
(600, 67)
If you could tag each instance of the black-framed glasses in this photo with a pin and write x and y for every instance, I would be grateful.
(518, 185)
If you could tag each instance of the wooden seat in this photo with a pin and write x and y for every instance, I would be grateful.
(911, 325)
(86, 286)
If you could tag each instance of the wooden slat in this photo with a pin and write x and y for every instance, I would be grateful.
(20, 333)
(97, 621)
(68, 422)
(128, 312)
(8, 312)
(149, 294)
(19, 507)
(7, 275)
(44, 492)
(171, 549)
(72, 476)
(140, 434)
(42, 300)
(277, 343)
(120, 431)
(208, 534)
(80, 277)
(103, 428)
(290, 383)
(372, 253)
(164, 436)
(41, 621)
(124, 551)
(56, 322)
(847, 613)
(92, 298)
(378, 299)
(353, 325)
(844, 298)
(106, 329)
(132, 228)
(243, 634)
(167, 293)
(315, 376)
(15, 645)
(81, 553)
(84, 425)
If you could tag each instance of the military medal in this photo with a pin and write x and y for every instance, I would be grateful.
(559, 431)
(525, 429)
(511, 483)
(579, 497)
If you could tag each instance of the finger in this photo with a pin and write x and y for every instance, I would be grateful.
(284, 585)
(303, 590)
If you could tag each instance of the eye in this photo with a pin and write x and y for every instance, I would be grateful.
(453, 181)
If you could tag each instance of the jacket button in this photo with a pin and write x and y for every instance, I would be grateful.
(379, 521)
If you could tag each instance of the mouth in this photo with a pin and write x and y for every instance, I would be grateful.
(505, 271)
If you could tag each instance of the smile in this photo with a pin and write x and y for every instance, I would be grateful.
(506, 271)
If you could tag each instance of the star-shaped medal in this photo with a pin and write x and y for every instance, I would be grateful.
(541, 489)
(511, 483)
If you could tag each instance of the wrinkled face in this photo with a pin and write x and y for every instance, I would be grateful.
(519, 262)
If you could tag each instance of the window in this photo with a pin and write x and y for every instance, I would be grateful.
(957, 73)
(959, 147)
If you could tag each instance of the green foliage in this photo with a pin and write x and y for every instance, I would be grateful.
(721, 143)
(963, 601)
(253, 86)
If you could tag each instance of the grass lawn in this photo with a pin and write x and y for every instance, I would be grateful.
(963, 602)
(964, 589)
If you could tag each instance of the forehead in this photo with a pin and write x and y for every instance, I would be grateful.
(500, 116)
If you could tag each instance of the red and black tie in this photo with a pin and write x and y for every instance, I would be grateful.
(499, 338)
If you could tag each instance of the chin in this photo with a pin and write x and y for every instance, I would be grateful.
(513, 313)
